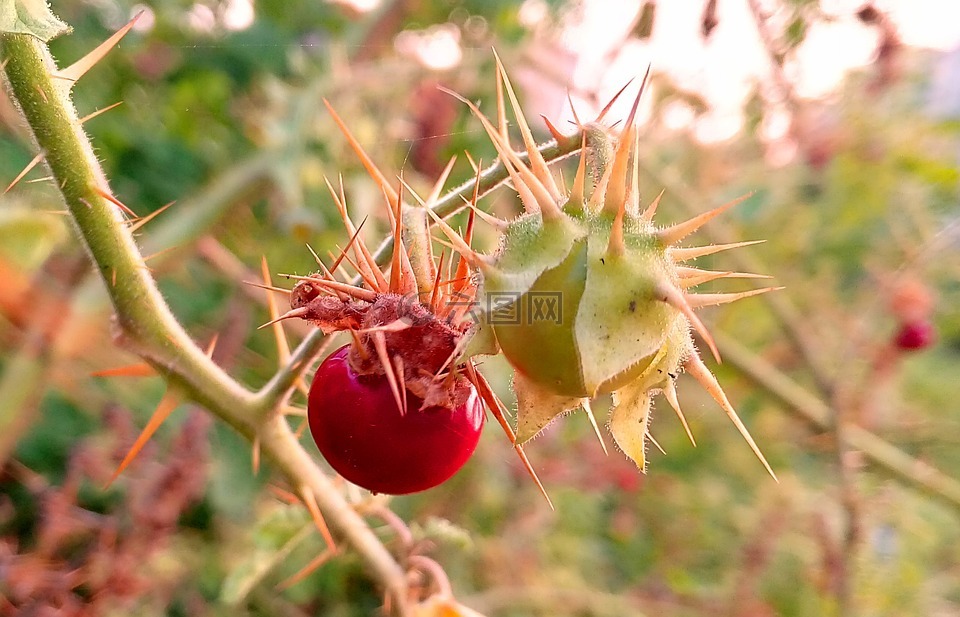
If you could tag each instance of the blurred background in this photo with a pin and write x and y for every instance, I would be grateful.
(843, 118)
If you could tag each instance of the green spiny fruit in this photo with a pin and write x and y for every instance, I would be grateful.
(586, 296)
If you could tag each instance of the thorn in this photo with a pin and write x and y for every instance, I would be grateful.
(358, 293)
(283, 495)
(43, 179)
(585, 403)
(409, 279)
(695, 366)
(673, 234)
(615, 245)
(685, 254)
(501, 108)
(672, 296)
(364, 257)
(473, 164)
(141, 369)
(367, 162)
(358, 345)
(435, 296)
(615, 200)
(537, 165)
(140, 222)
(398, 250)
(113, 200)
(397, 325)
(700, 300)
(380, 344)
(301, 429)
(317, 257)
(267, 287)
(363, 272)
(600, 189)
(439, 184)
(212, 345)
(459, 244)
(576, 193)
(655, 443)
(165, 407)
(307, 570)
(499, 411)
(363, 254)
(297, 312)
(554, 131)
(466, 300)
(33, 163)
(533, 194)
(606, 108)
(255, 455)
(455, 354)
(283, 348)
(462, 273)
(147, 258)
(473, 201)
(292, 410)
(497, 223)
(670, 393)
(573, 110)
(93, 115)
(633, 195)
(652, 208)
(402, 379)
(691, 277)
(311, 502)
(76, 70)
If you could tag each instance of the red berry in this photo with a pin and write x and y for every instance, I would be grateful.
(914, 335)
(356, 424)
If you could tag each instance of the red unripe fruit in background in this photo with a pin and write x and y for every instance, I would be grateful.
(356, 425)
(914, 335)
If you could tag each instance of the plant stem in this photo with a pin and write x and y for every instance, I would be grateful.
(144, 321)
(817, 414)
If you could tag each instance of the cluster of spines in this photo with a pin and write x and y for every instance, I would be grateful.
(446, 286)
(616, 195)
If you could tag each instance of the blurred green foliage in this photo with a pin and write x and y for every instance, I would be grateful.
(703, 533)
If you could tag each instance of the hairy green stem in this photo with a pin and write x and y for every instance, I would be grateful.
(145, 323)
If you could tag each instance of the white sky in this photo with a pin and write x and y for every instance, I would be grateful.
(725, 68)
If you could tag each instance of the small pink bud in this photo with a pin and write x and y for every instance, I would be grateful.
(915, 335)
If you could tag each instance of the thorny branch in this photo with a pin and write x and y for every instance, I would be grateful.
(144, 322)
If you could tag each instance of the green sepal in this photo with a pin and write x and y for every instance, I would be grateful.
(482, 341)
(537, 406)
(536, 331)
(631, 413)
(531, 246)
(629, 420)
(620, 320)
